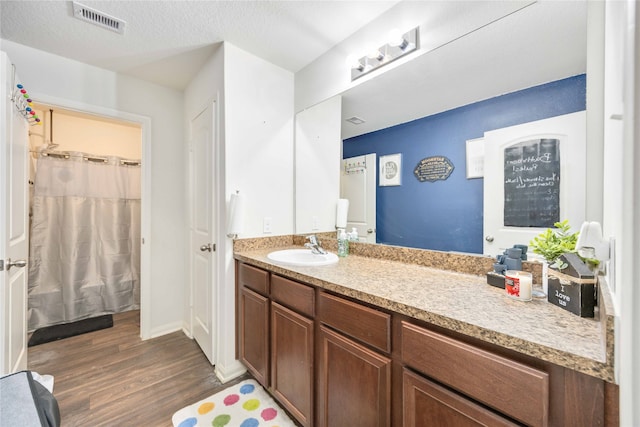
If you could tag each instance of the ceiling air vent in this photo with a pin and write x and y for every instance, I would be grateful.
(98, 18)
(355, 120)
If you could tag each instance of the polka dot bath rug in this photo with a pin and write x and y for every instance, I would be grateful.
(245, 404)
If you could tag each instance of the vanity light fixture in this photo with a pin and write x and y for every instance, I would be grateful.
(399, 45)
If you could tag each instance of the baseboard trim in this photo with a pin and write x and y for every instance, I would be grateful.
(228, 373)
(187, 332)
(166, 329)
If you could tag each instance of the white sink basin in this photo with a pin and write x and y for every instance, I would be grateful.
(302, 257)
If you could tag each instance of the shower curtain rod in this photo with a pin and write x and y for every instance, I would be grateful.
(96, 159)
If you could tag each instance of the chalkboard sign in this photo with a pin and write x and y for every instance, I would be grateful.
(532, 183)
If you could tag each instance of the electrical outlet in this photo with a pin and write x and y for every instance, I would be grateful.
(266, 224)
(315, 223)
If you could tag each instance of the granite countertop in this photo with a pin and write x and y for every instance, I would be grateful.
(463, 303)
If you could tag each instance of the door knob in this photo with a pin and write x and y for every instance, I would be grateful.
(489, 238)
(206, 248)
(18, 263)
(370, 230)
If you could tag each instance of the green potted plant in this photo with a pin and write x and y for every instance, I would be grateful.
(552, 243)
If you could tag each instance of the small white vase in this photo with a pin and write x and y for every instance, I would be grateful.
(545, 277)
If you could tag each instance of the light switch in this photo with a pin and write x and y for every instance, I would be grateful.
(266, 224)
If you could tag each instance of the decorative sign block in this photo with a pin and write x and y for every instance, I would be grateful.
(573, 289)
(433, 169)
(578, 298)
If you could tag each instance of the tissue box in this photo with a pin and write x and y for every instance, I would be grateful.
(573, 289)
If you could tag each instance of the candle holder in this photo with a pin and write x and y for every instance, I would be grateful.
(518, 284)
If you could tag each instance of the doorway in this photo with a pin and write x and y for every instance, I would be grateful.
(89, 114)
(358, 185)
(202, 227)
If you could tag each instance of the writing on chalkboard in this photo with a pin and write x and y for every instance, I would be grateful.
(532, 183)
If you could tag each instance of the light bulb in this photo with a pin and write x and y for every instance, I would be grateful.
(374, 53)
(396, 39)
(354, 62)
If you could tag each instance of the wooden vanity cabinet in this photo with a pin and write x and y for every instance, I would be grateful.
(354, 379)
(331, 361)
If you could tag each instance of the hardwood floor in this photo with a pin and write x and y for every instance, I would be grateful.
(112, 378)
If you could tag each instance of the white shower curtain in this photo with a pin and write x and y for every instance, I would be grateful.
(85, 239)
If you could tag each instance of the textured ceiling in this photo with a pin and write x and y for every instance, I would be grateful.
(472, 50)
(167, 42)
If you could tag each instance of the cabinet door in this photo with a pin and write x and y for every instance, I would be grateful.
(253, 333)
(427, 404)
(354, 384)
(292, 362)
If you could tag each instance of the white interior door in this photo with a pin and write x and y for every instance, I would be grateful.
(358, 185)
(14, 234)
(534, 173)
(202, 232)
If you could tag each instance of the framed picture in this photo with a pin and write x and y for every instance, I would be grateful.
(475, 158)
(390, 170)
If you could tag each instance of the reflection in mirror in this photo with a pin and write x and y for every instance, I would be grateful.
(527, 66)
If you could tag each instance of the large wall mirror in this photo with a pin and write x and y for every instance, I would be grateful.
(528, 65)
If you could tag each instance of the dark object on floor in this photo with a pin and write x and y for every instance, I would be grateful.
(26, 402)
(58, 332)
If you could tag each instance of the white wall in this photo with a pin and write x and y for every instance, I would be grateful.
(259, 140)
(258, 153)
(53, 79)
(255, 150)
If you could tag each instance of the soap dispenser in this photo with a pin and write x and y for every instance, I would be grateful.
(353, 236)
(343, 243)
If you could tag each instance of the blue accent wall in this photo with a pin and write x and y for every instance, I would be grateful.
(447, 214)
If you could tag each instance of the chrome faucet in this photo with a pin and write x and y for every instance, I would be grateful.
(314, 245)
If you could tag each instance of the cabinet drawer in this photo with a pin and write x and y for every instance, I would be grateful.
(512, 388)
(253, 278)
(363, 323)
(425, 403)
(292, 294)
